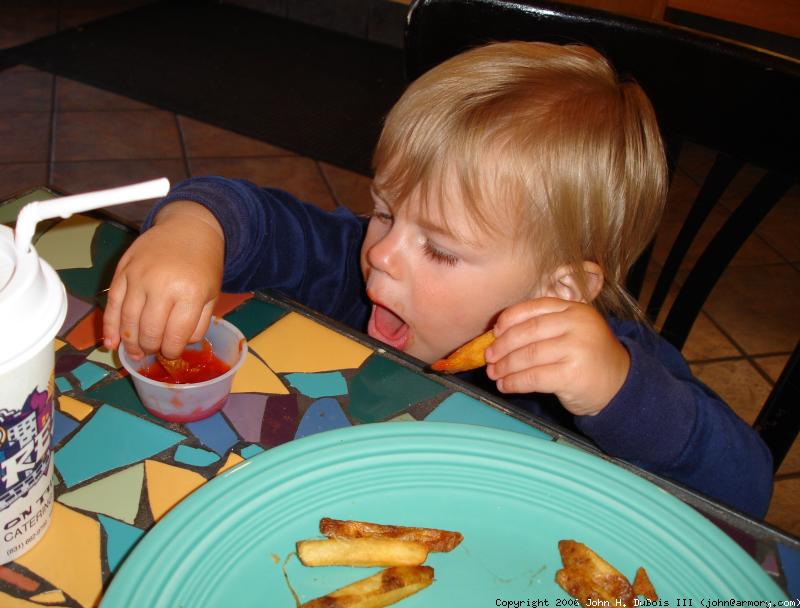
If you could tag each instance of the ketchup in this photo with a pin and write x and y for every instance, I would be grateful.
(198, 366)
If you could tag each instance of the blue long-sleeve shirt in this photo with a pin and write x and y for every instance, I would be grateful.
(663, 419)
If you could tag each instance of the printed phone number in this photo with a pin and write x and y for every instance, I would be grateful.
(679, 602)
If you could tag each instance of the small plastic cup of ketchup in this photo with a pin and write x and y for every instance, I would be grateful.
(200, 385)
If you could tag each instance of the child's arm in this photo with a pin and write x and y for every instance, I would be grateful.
(661, 418)
(166, 283)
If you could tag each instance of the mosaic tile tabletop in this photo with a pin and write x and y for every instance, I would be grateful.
(118, 469)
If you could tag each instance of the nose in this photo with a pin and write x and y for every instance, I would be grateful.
(385, 254)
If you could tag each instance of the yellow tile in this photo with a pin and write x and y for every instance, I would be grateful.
(68, 244)
(58, 343)
(255, 377)
(233, 460)
(68, 556)
(50, 597)
(77, 409)
(7, 601)
(297, 344)
(168, 485)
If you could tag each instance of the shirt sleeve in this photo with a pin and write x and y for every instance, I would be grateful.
(665, 420)
(274, 241)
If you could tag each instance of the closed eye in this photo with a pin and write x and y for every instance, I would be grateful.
(439, 256)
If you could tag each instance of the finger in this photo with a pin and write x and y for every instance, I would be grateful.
(530, 355)
(540, 379)
(522, 311)
(204, 321)
(113, 311)
(532, 329)
(152, 322)
(129, 322)
(180, 328)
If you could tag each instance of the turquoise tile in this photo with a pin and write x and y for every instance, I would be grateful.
(467, 410)
(254, 316)
(382, 389)
(120, 539)
(89, 374)
(63, 385)
(214, 432)
(195, 456)
(251, 450)
(111, 439)
(325, 384)
(322, 415)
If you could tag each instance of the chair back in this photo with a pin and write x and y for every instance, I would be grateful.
(734, 99)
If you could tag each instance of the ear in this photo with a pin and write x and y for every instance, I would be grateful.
(564, 282)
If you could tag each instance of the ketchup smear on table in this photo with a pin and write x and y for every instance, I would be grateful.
(200, 365)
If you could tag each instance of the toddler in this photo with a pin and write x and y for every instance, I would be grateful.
(515, 184)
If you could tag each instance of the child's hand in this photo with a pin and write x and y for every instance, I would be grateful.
(557, 346)
(165, 285)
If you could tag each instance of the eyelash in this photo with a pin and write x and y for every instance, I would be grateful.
(439, 256)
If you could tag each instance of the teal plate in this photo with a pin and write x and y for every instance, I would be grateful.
(512, 496)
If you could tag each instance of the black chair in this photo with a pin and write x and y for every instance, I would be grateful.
(739, 101)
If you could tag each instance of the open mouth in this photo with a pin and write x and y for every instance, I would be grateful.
(387, 327)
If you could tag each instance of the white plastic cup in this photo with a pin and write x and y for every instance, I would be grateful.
(191, 402)
(33, 304)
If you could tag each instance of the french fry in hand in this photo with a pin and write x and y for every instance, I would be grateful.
(433, 538)
(362, 552)
(467, 357)
(382, 589)
(643, 586)
(587, 576)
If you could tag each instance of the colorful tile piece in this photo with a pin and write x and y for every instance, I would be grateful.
(195, 456)
(280, 420)
(63, 385)
(18, 580)
(232, 461)
(76, 310)
(66, 362)
(58, 344)
(122, 439)
(62, 426)
(122, 394)
(464, 409)
(116, 495)
(327, 384)
(322, 415)
(88, 331)
(245, 412)
(790, 558)
(77, 536)
(254, 316)
(298, 344)
(106, 357)
(214, 432)
(406, 417)
(382, 388)
(168, 485)
(50, 597)
(68, 244)
(89, 374)
(7, 601)
(77, 409)
(251, 450)
(255, 377)
(226, 302)
(120, 539)
(107, 247)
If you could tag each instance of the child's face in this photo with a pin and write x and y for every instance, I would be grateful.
(431, 289)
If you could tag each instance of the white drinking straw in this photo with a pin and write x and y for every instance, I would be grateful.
(35, 212)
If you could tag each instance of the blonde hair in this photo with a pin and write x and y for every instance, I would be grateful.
(545, 136)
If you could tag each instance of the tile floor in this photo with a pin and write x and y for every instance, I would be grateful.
(73, 137)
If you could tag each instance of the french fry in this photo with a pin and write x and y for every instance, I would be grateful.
(587, 576)
(362, 552)
(433, 538)
(382, 589)
(467, 357)
(643, 586)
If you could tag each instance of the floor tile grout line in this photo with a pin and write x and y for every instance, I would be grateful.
(182, 139)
